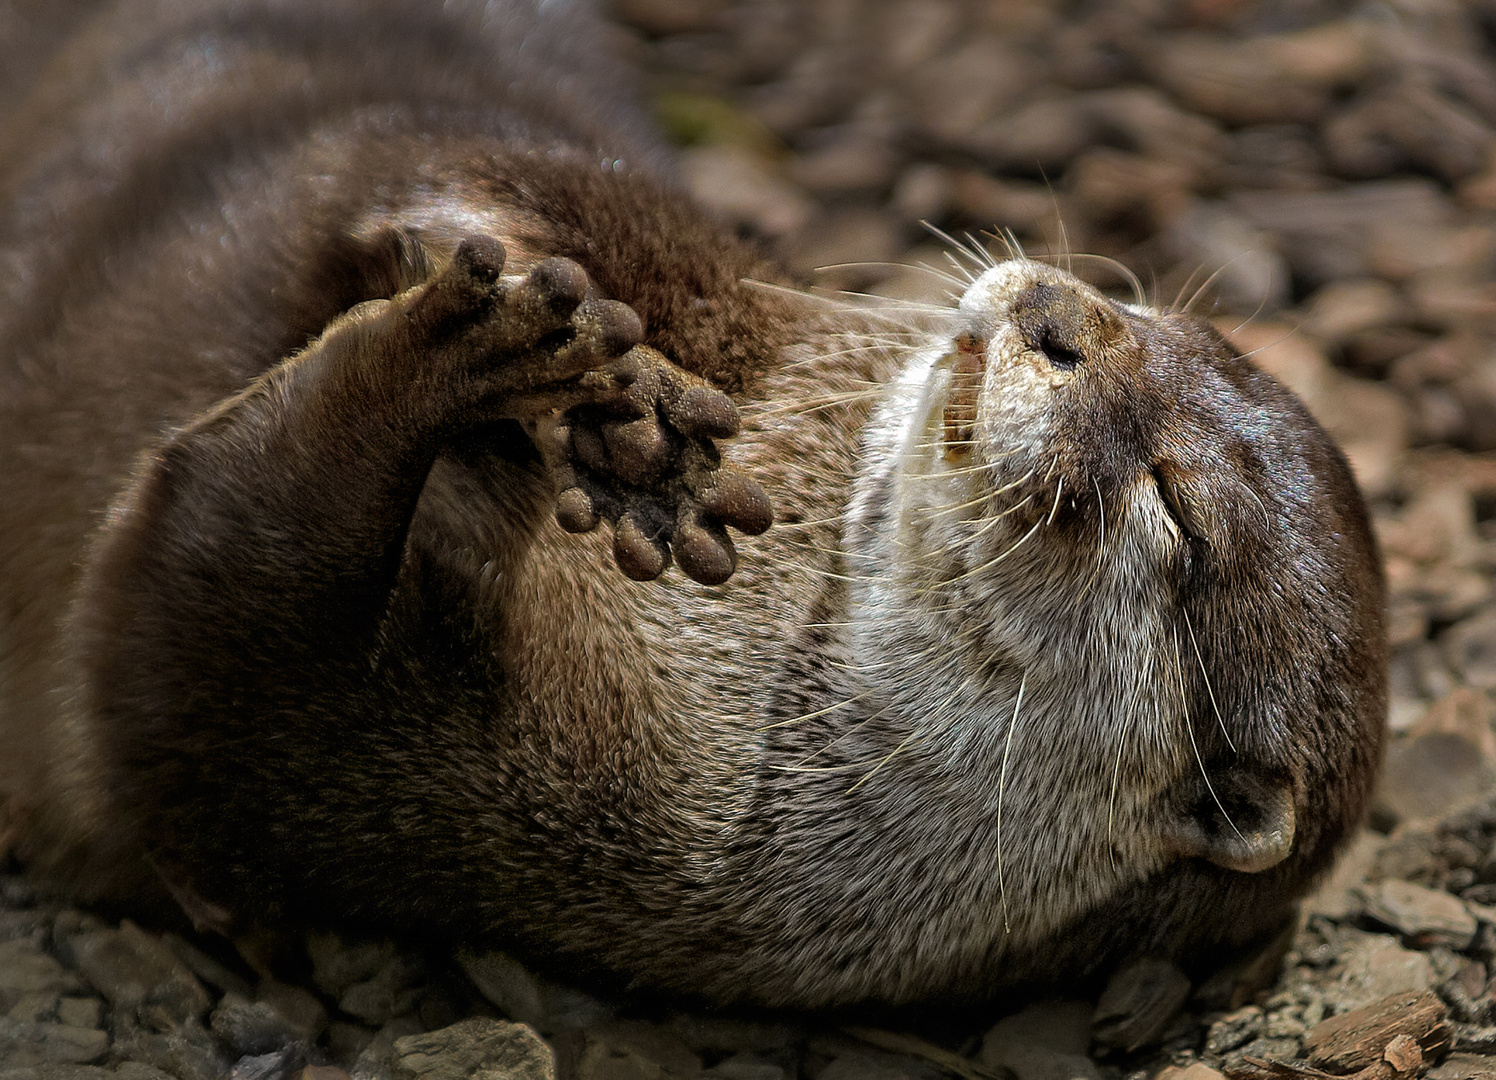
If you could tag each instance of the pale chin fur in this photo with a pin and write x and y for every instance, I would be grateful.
(949, 613)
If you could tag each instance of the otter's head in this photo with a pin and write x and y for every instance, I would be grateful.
(1154, 569)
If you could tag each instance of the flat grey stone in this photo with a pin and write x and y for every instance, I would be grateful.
(1043, 1042)
(376, 1061)
(1377, 967)
(724, 1034)
(36, 1006)
(1426, 916)
(743, 1068)
(25, 969)
(250, 1027)
(187, 1054)
(862, 1068)
(492, 1049)
(28, 1043)
(139, 1070)
(133, 968)
(85, 1012)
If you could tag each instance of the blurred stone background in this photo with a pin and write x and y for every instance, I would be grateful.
(1318, 177)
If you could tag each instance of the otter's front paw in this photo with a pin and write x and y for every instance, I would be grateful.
(629, 434)
(640, 454)
(508, 342)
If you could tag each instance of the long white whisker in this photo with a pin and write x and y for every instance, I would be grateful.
(1199, 657)
(1207, 283)
(1111, 805)
(990, 563)
(1189, 728)
(1100, 544)
(979, 249)
(1123, 271)
(1179, 296)
(1002, 781)
(813, 715)
(1058, 488)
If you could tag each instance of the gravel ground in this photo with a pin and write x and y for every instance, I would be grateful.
(1319, 177)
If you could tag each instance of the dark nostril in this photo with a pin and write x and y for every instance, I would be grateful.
(1054, 348)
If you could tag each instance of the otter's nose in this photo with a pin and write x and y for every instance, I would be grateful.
(1055, 321)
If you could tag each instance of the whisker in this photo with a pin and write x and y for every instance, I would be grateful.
(996, 518)
(970, 277)
(790, 564)
(950, 279)
(1206, 284)
(1189, 728)
(871, 343)
(1204, 676)
(1022, 479)
(1101, 543)
(1111, 805)
(1009, 240)
(1287, 334)
(975, 259)
(1250, 318)
(803, 408)
(813, 715)
(806, 545)
(889, 264)
(979, 249)
(780, 526)
(891, 755)
(990, 563)
(1002, 782)
(951, 508)
(849, 766)
(1058, 489)
(1267, 519)
(887, 309)
(1179, 296)
(989, 460)
(1123, 271)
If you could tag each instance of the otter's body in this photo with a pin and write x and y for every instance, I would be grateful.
(1066, 645)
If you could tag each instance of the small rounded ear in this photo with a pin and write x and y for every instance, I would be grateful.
(1237, 820)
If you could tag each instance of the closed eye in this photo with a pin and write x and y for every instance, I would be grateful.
(1168, 494)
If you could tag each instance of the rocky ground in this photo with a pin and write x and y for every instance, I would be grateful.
(1320, 177)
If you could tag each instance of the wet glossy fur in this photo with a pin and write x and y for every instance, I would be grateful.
(378, 686)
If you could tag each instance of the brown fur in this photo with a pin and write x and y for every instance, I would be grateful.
(287, 613)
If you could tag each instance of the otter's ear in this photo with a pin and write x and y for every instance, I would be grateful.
(1239, 821)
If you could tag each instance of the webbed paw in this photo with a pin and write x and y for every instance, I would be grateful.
(641, 455)
(629, 435)
(506, 338)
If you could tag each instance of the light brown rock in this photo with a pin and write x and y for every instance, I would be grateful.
(478, 1047)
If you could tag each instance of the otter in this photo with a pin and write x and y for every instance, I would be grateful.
(381, 432)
